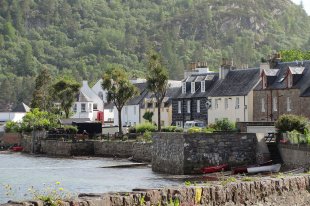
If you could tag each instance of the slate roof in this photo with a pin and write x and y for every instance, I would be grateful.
(22, 107)
(301, 77)
(142, 93)
(109, 105)
(237, 83)
(210, 80)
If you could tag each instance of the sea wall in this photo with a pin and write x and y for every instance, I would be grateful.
(286, 191)
(124, 149)
(183, 153)
(295, 155)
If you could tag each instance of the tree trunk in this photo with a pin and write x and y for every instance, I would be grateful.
(158, 114)
(120, 130)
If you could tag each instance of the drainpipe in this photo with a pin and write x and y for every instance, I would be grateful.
(244, 108)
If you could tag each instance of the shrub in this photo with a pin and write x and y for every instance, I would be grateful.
(132, 130)
(172, 129)
(11, 126)
(142, 128)
(71, 129)
(146, 137)
(194, 130)
(224, 125)
(208, 130)
(289, 122)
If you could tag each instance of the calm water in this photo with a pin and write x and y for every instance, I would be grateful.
(75, 175)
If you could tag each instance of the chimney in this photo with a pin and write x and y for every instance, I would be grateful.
(264, 65)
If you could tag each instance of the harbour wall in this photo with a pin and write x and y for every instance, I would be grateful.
(295, 155)
(183, 153)
(285, 191)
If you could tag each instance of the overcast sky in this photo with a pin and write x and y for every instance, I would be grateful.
(306, 4)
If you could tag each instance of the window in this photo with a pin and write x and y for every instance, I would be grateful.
(126, 111)
(179, 107)
(237, 103)
(263, 104)
(192, 87)
(288, 104)
(95, 107)
(264, 81)
(149, 105)
(216, 103)
(198, 106)
(74, 108)
(203, 86)
(274, 103)
(90, 107)
(179, 123)
(226, 103)
(184, 87)
(111, 110)
(289, 80)
(188, 106)
(83, 107)
(134, 110)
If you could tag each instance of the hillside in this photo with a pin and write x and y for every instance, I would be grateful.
(81, 38)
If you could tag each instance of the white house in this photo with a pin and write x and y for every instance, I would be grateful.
(88, 104)
(16, 114)
(232, 96)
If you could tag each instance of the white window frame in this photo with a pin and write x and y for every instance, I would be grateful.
(74, 108)
(226, 103)
(179, 107)
(198, 106)
(193, 87)
(237, 106)
(203, 86)
(289, 80)
(263, 105)
(134, 110)
(216, 103)
(288, 104)
(95, 107)
(184, 87)
(188, 106)
(275, 104)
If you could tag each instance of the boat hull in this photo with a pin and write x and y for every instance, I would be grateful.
(268, 168)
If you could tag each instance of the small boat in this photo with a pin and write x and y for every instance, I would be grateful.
(212, 169)
(17, 148)
(268, 168)
(243, 169)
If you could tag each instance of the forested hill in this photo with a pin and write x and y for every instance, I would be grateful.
(83, 37)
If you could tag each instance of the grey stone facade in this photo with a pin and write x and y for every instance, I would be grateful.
(182, 153)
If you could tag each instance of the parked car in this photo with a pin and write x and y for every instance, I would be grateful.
(195, 123)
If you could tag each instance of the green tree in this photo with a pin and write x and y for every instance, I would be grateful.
(148, 116)
(157, 81)
(65, 92)
(120, 90)
(41, 97)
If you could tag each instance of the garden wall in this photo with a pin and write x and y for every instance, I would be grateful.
(295, 155)
(286, 191)
(182, 153)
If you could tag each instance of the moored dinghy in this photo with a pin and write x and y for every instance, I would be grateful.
(212, 169)
(268, 168)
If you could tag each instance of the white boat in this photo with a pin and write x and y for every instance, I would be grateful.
(268, 168)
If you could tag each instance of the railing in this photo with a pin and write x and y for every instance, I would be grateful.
(271, 137)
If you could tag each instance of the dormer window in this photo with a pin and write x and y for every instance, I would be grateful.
(203, 86)
(184, 87)
(192, 87)
(289, 80)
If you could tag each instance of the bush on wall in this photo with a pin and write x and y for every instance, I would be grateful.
(289, 122)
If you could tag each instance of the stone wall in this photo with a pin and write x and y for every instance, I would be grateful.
(168, 153)
(124, 149)
(138, 151)
(182, 153)
(286, 191)
(295, 155)
(9, 139)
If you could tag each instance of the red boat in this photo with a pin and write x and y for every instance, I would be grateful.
(212, 169)
(17, 148)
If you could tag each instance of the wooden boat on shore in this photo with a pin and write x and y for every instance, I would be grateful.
(212, 169)
(243, 169)
(268, 168)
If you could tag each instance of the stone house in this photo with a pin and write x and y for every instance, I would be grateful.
(232, 96)
(283, 89)
(192, 101)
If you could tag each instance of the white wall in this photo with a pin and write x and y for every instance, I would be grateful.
(108, 114)
(130, 114)
(11, 116)
(87, 114)
(97, 88)
(92, 95)
(232, 113)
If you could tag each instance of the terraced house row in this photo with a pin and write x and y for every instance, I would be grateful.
(240, 95)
